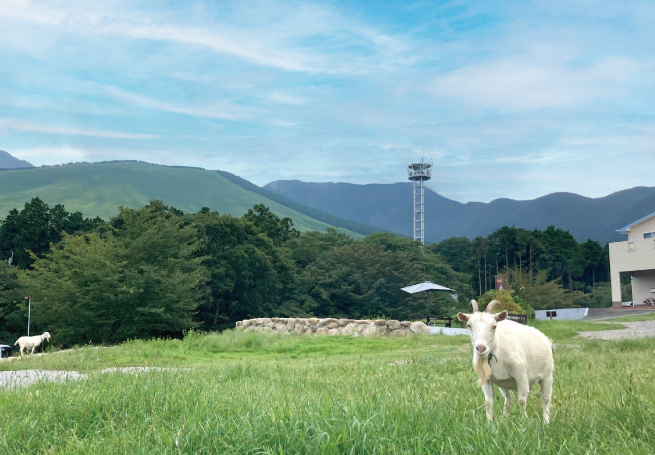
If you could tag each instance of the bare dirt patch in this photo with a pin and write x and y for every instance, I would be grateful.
(22, 378)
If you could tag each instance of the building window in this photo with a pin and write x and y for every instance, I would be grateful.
(649, 235)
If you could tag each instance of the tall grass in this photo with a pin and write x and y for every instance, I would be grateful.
(637, 317)
(246, 393)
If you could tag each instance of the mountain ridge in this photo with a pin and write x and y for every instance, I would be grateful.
(8, 161)
(98, 189)
(390, 207)
(358, 209)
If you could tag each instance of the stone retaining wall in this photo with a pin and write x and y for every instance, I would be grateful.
(332, 326)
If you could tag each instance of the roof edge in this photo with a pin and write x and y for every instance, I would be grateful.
(625, 229)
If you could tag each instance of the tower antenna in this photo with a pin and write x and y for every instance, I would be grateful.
(419, 173)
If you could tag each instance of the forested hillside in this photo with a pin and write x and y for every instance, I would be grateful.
(390, 207)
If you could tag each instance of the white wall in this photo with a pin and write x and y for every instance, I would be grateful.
(637, 257)
(642, 283)
(637, 231)
(568, 313)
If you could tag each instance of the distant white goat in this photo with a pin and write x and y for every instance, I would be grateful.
(512, 356)
(31, 342)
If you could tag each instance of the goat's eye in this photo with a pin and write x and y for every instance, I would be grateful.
(469, 325)
(493, 328)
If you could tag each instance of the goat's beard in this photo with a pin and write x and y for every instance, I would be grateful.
(482, 368)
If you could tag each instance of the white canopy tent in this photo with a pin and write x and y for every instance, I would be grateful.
(427, 286)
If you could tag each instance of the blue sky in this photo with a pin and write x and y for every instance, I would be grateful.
(512, 99)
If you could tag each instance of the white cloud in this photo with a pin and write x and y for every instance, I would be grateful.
(70, 131)
(543, 158)
(49, 155)
(335, 91)
(531, 82)
(280, 41)
(218, 110)
(286, 98)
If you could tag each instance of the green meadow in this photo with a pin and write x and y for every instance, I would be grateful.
(248, 393)
(98, 189)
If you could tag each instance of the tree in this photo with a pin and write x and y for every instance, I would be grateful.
(13, 311)
(251, 275)
(539, 293)
(357, 278)
(77, 289)
(559, 248)
(35, 227)
(528, 249)
(312, 245)
(277, 229)
(597, 263)
(507, 302)
(456, 251)
(141, 280)
(600, 296)
(164, 272)
(481, 248)
(504, 245)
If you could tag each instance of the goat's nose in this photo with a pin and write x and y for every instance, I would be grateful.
(481, 348)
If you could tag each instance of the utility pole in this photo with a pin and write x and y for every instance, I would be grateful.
(29, 312)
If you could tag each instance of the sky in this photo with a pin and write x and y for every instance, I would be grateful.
(507, 99)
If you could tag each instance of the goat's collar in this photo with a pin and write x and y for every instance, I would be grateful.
(491, 354)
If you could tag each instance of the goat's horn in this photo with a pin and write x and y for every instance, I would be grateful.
(491, 305)
(474, 304)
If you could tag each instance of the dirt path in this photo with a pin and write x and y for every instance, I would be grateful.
(641, 329)
(22, 378)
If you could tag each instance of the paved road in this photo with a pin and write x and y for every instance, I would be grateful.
(599, 314)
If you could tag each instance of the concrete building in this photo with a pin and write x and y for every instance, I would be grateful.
(635, 257)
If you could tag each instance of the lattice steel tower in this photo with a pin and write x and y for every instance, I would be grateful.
(419, 173)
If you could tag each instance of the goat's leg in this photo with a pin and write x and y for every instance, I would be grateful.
(508, 400)
(546, 393)
(522, 392)
(488, 390)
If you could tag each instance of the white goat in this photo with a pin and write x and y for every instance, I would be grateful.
(31, 342)
(512, 356)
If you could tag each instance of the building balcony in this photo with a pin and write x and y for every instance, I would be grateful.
(633, 255)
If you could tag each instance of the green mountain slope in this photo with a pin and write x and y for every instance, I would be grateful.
(327, 218)
(97, 189)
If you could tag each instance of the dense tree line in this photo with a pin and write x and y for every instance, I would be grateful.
(548, 268)
(156, 272)
(36, 227)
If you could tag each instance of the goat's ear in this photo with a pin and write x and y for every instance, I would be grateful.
(500, 316)
(463, 317)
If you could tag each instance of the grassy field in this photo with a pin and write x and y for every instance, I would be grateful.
(98, 189)
(247, 393)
